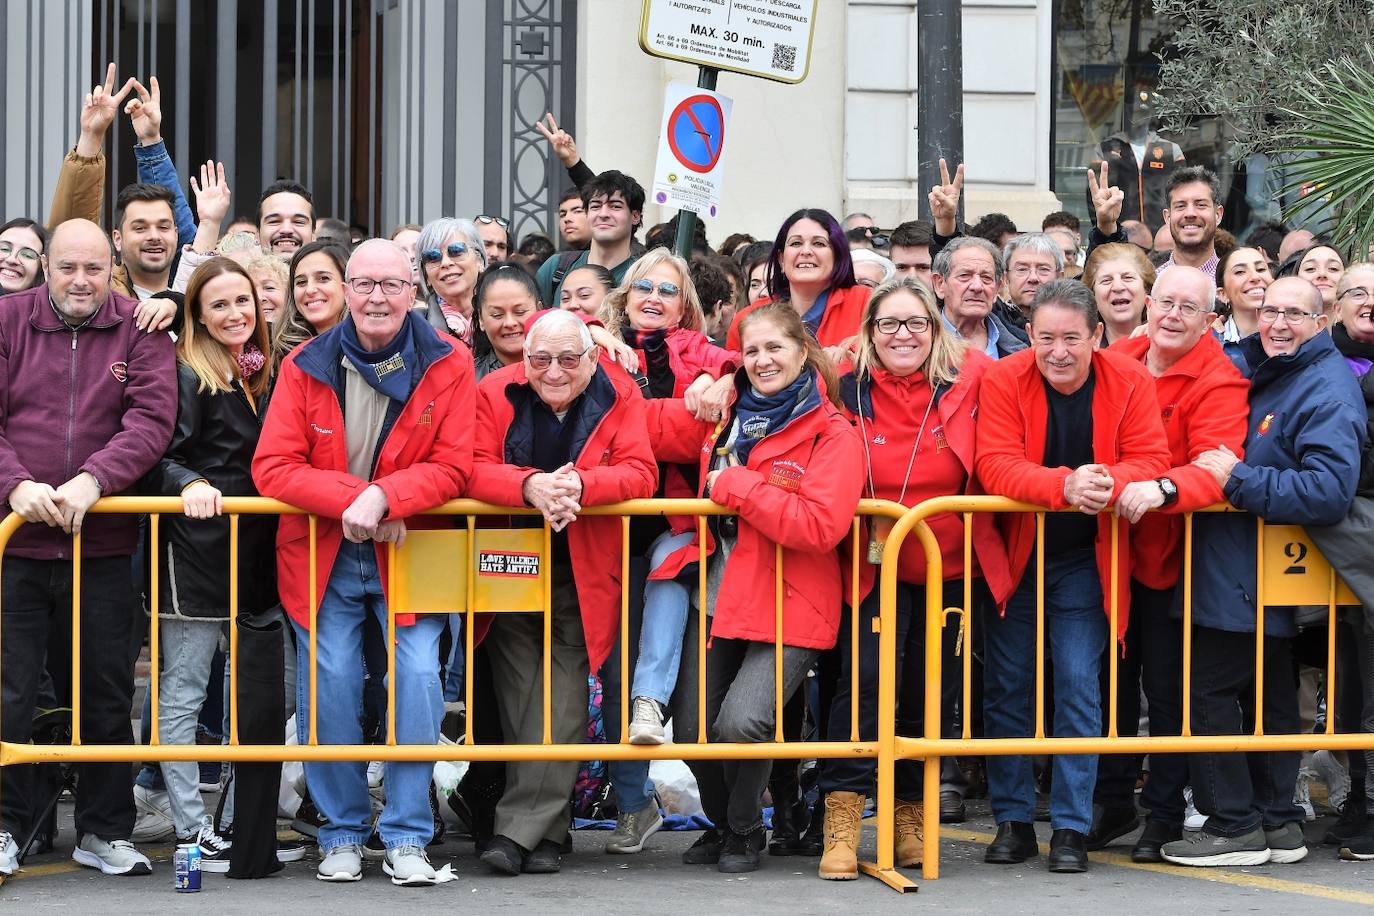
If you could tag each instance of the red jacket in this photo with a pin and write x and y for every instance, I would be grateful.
(1204, 402)
(843, 312)
(302, 457)
(799, 489)
(1128, 438)
(691, 353)
(888, 406)
(616, 463)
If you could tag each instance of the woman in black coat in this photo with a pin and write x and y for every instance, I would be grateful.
(223, 372)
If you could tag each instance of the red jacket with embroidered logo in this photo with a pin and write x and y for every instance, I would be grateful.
(843, 311)
(799, 489)
(615, 464)
(952, 422)
(302, 457)
(1128, 438)
(1203, 402)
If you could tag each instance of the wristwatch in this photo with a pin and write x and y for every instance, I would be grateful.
(1170, 491)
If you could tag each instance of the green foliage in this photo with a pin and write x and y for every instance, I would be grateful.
(1331, 131)
(1255, 63)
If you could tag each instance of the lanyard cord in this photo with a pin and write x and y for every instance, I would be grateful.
(911, 462)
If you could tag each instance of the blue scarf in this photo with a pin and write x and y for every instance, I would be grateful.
(390, 370)
(762, 415)
(813, 316)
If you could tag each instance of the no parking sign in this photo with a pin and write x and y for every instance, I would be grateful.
(690, 143)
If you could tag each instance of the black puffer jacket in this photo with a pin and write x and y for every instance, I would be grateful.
(214, 440)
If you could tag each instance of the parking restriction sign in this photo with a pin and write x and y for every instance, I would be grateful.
(692, 139)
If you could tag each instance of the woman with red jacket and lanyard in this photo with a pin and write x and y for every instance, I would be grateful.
(913, 395)
(789, 462)
(657, 312)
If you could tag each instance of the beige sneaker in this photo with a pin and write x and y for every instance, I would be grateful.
(844, 812)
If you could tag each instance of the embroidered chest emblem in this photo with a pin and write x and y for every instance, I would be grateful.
(120, 371)
(1267, 422)
(786, 474)
(880, 439)
(427, 416)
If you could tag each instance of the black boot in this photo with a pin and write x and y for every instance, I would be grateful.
(812, 841)
(789, 810)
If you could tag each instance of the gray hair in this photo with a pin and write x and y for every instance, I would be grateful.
(857, 214)
(434, 237)
(870, 256)
(559, 320)
(944, 261)
(1035, 243)
(1069, 294)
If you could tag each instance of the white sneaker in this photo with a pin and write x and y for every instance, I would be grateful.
(1302, 793)
(118, 857)
(154, 816)
(646, 723)
(376, 770)
(1192, 818)
(9, 855)
(214, 849)
(408, 866)
(343, 863)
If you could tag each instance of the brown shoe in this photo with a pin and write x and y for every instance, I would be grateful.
(909, 819)
(844, 812)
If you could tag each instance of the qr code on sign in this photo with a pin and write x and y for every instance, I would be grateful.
(784, 57)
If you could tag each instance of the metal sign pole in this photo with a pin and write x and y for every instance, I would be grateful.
(686, 219)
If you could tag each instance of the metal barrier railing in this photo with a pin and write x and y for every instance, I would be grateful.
(703, 749)
(1315, 578)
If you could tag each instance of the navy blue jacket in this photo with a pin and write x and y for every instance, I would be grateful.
(1302, 461)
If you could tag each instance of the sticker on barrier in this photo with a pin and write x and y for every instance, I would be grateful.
(1295, 572)
(431, 575)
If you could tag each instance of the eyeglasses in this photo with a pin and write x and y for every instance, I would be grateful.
(665, 289)
(1269, 315)
(1163, 307)
(455, 251)
(484, 220)
(1356, 294)
(364, 286)
(565, 360)
(915, 325)
(27, 254)
(1044, 271)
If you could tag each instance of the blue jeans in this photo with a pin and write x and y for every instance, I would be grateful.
(340, 789)
(1076, 632)
(665, 617)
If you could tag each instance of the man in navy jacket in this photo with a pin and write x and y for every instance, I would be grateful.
(1301, 464)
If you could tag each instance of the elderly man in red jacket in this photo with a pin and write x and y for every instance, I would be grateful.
(87, 403)
(1203, 403)
(369, 425)
(1067, 426)
(556, 431)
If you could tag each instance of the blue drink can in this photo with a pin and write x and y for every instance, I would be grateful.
(186, 861)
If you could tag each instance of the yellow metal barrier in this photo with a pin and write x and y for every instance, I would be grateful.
(412, 594)
(1291, 571)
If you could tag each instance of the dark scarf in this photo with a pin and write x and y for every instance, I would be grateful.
(813, 316)
(762, 415)
(1349, 346)
(389, 370)
(656, 375)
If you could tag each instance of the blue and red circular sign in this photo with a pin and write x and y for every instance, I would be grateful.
(696, 132)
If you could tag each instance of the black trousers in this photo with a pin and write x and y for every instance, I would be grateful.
(1240, 792)
(35, 628)
(1153, 662)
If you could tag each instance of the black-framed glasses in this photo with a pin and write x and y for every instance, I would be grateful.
(455, 251)
(364, 286)
(25, 254)
(484, 219)
(565, 360)
(665, 289)
(917, 324)
(1269, 314)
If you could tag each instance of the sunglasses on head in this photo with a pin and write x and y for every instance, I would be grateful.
(455, 250)
(484, 219)
(665, 289)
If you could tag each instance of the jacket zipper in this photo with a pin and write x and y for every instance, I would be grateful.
(71, 422)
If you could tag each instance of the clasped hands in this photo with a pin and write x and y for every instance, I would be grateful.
(362, 520)
(556, 494)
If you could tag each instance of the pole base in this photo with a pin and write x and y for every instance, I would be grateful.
(889, 876)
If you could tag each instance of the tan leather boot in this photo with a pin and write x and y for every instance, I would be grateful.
(909, 839)
(844, 812)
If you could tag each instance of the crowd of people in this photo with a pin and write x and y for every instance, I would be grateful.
(367, 380)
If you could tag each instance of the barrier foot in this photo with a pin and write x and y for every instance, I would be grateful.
(889, 876)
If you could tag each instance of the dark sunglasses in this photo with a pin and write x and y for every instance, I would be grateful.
(665, 289)
(565, 360)
(484, 219)
(455, 250)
